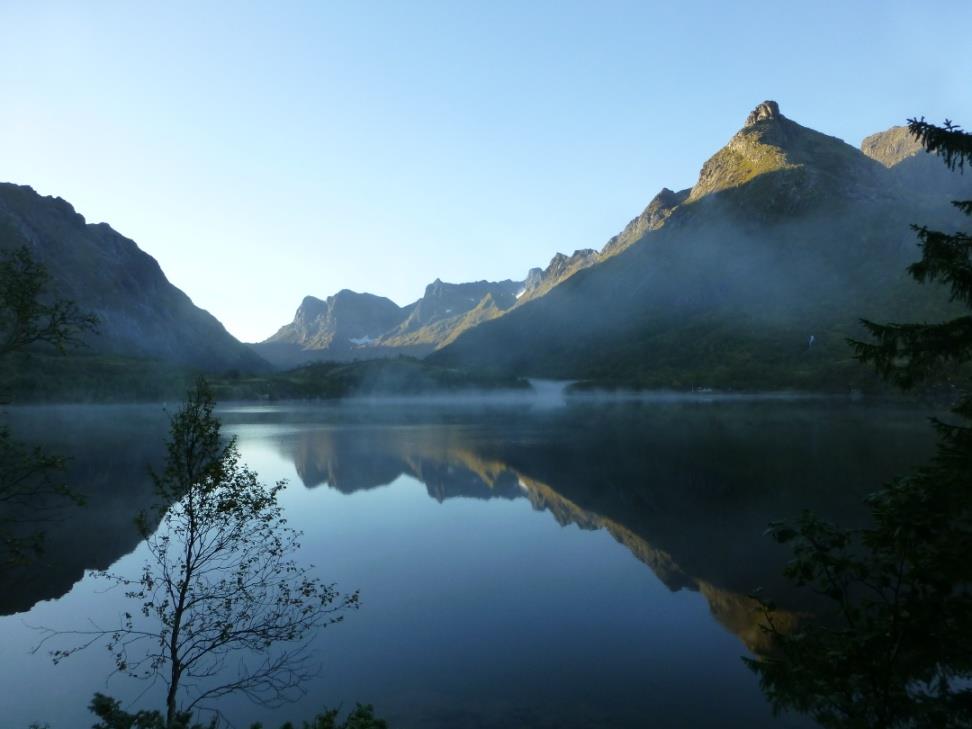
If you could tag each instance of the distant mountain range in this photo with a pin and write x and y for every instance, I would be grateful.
(351, 325)
(754, 276)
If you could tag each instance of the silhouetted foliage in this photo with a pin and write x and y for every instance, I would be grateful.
(895, 650)
(25, 317)
(112, 716)
(27, 475)
(28, 486)
(222, 607)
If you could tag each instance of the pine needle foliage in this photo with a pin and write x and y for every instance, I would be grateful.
(892, 646)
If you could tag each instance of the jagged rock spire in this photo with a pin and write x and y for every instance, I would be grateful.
(767, 110)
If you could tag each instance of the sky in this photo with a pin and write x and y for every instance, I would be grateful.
(265, 151)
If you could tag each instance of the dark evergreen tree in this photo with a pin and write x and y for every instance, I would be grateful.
(895, 649)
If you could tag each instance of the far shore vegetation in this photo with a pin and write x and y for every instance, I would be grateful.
(91, 378)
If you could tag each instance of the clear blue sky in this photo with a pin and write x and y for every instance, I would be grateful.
(265, 151)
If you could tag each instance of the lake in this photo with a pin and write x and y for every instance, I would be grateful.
(523, 563)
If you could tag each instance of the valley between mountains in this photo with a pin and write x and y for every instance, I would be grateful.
(751, 279)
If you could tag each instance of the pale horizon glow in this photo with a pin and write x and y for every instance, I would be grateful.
(265, 153)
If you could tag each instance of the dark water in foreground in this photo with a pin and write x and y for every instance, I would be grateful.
(576, 566)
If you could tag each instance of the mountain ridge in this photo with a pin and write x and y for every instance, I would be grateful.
(770, 172)
(754, 278)
(723, 259)
(351, 325)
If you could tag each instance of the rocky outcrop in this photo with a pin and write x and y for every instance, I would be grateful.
(800, 165)
(560, 268)
(533, 279)
(892, 146)
(652, 217)
(766, 110)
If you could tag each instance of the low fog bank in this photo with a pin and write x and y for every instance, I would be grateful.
(539, 393)
(543, 394)
(702, 395)
(722, 300)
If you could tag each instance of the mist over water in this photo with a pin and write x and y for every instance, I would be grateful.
(542, 560)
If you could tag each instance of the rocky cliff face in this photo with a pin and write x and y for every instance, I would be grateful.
(345, 320)
(652, 218)
(560, 268)
(444, 301)
(892, 146)
(141, 313)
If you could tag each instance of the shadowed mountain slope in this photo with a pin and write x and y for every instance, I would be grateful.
(141, 313)
(754, 278)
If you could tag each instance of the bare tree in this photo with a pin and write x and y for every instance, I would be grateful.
(222, 605)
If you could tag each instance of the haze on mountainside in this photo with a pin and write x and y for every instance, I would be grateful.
(753, 278)
(482, 463)
(140, 314)
(788, 234)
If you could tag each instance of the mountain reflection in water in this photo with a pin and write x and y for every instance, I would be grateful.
(686, 488)
(109, 453)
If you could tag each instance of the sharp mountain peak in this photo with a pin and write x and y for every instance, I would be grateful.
(768, 110)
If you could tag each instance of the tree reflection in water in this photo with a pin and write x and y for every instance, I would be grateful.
(892, 646)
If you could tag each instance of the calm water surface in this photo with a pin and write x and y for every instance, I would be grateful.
(519, 566)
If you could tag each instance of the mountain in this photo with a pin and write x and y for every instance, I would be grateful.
(891, 147)
(446, 310)
(141, 314)
(754, 277)
(350, 325)
(561, 267)
(916, 172)
(797, 165)
(652, 218)
(338, 325)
